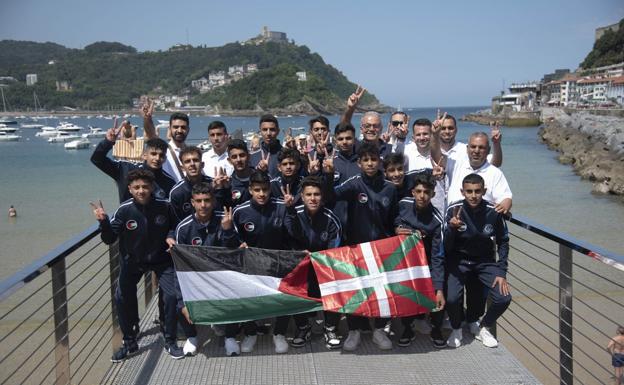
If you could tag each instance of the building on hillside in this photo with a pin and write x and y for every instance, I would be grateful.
(63, 86)
(250, 68)
(5, 80)
(561, 92)
(521, 97)
(592, 90)
(302, 76)
(31, 79)
(558, 74)
(199, 83)
(236, 69)
(216, 78)
(615, 90)
(267, 36)
(601, 30)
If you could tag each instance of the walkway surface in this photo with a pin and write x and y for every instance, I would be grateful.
(420, 363)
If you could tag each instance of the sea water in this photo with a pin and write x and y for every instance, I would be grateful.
(51, 187)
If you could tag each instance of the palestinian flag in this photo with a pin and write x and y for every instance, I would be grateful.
(385, 278)
(221, 285)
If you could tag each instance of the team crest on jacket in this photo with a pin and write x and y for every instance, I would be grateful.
(160, 220)
(236, 194)
(462, 228)
(385, 201)
(324, 236)
(186, 207)
(362, 198)
(277, 222)
(336, 176)
(488, 229)
(196, 241)
(131, 224)
(249, 227)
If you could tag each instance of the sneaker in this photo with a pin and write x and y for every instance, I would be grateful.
(422, 326)
(301, 337)
(474, 328)
(380, 338)
(247, 346)
(125, 351)
(332, 340)
(281, 346)
(219, 330)
(407, 337)
(231, 347)
(454, 340)
(486, 338)
(436, 337)
(174, 351)
(352, 341)
(190, 346)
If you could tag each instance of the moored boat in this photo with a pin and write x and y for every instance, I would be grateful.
(6, 137)
(78, 144)
(62, 137)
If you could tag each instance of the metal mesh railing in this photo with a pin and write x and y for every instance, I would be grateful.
(57, 323)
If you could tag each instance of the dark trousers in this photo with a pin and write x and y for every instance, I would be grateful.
(437, 317)
(476, 297)
(188, 328)
(356, 322)
(486, 272)
(130, 274)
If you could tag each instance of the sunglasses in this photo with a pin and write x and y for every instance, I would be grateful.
(397, 123)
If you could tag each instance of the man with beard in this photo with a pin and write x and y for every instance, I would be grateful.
(266, 159)
(396, 135)
(217, 157)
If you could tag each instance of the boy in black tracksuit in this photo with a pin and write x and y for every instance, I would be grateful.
(265, 222)
(142, 224)
(205, 227)
(288, 164)
(417, 214)
(372, 208)
(266, 159)
(474, 231)
(238, 156)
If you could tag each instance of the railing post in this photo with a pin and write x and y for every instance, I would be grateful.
(113, 256)
(565, 316)
(61, 334)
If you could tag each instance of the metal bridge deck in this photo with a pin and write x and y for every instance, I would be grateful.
(314, 364)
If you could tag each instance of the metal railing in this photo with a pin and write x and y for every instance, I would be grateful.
(57, 316)
(58, 321)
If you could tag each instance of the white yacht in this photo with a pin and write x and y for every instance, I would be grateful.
(78, 144)
(7, 129)
(7, 137)
(69, 127)
(94, 132)
(62, 137)
(31, 125)
(47, 131)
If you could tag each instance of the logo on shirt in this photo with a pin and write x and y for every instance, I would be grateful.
(196, 241)
(160, 194)
(277, 222)
(160, 220)
(362, 198)
(236, 195)
(186, 207)
(131, 225)
(488, 229)
(385, 201)
(336, 175)
(462, 228)
(324, 236)
(249, 227)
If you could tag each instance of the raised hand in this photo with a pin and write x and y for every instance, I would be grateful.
(221, 179)
(496, 132)
(328, 162)
(147, 108)
(437, 124)
(455, 221)
(313, 164)
(98, 210)
(263, 165)
(226, 221)
(289, 200)
(438, 169)
(112, 133)
(354, 98)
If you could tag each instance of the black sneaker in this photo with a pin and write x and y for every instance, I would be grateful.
(301, 337)
(407, 337)
(436, 337)
(174, 351)
(332, 340)
(136, 331)
(126, 350)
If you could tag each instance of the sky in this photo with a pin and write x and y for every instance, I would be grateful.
(409, 54)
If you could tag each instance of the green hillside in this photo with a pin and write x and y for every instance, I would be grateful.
(609, 49)
(109, 75)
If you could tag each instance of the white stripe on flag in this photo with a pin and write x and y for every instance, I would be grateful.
(376, 279)
(225, 284)
(358, 283)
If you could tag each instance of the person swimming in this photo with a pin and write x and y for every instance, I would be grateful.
(12, 212)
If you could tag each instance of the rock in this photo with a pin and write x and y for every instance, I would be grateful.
(601, 188)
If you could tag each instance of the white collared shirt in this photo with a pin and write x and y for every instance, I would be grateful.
(414, 159)
(212, 160)
(495, 182)
(170, 166)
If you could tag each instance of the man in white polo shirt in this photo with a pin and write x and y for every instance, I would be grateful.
(217, 158)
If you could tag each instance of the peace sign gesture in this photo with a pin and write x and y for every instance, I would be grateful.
(354, 98)
(313, 164)
(438, 169)
(226, 221)
(263, 165)
(495, 133)
(455, 221)
(112, 133)
(437, 124)
(323, 143)
(221, 179)
(289, 200)
(147, 108)
(328, 162)
(98, 210)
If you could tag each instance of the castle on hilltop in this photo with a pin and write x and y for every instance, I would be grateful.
(267, 36)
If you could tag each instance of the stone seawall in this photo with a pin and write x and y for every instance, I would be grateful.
(592, 144)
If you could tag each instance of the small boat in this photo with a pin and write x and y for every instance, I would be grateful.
(47, 131)
(31, 125)
(6, 137)
(7, 121)
(67, 126)
(78, 144)
(94, 132)
(62, 137)
(7, 129)
(297, 128)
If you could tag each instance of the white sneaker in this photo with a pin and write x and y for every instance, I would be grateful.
(219, 330)
(190, 346)
(247, 346)
(474, 328)
(487, 338)
(380, 338)
(454, 340)
(352, 341)
(422, 326)
(231, 347)
(281, 346)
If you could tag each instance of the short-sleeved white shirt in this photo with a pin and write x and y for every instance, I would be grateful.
(212, 160)
(414, 159)
(495, 182)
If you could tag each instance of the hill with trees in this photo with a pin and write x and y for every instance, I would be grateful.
(111, 75)
(609, 49)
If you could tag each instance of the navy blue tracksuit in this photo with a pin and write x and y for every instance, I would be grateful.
(471, 251)
(274, 148)
(239, 190)
(181, 193)
(142, 230)
(345, 167)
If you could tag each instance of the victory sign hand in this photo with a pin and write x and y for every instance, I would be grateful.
(98, 210)
(289, 200)
(263, 165)
(455, 221)
(226, 221)
(354, 98)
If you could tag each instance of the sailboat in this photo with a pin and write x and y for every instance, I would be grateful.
(5, 120)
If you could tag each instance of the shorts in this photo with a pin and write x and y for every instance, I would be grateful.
(617, 360)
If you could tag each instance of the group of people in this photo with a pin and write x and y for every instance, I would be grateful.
(333, 191)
